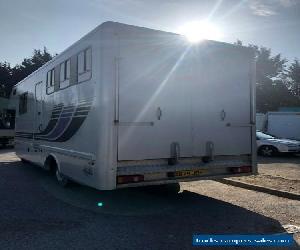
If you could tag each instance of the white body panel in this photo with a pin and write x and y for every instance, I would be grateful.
(147, 90)
(284, 124)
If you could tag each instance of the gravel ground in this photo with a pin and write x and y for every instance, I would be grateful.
(286, 166)
(273, 182)
(37, 214)
(285, 211)
(280, 173)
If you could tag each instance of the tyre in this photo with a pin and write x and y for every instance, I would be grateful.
(267, 151)
(61, 179)
(24, 161)
(51, 165)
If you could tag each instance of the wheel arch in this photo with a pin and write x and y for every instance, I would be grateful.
(51, 162)
(267, 145)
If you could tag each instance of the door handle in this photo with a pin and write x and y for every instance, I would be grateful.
(223, 115)
(158, 113)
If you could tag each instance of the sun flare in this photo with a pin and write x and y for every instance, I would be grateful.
(197, 31)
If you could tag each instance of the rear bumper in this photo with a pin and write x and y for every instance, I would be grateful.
(157, 172)
(161, 182)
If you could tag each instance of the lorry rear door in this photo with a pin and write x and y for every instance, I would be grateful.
(197, 97)
(221, 97)
(38, 107)
(154, 106)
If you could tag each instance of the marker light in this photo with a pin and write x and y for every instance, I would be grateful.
(241, 169)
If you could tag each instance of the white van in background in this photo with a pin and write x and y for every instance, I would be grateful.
(284, 124)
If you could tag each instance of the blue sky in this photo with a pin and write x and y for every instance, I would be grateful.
(56, 24)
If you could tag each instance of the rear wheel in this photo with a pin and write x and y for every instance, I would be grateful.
(267, 151)
(51, 165)
(62, 180)
(23, 160)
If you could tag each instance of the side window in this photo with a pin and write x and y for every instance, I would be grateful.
(84, 65)
(23, 103)
(81, 63)
(50, 81)
(64, 74)
(88, 59)
(67, 69)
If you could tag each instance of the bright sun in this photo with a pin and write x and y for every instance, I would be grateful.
(197, 31)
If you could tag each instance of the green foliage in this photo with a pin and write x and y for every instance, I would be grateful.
(271, 96)
(5, 77)
(271, 91)
(293, 75)
(267, 67)
(275, 85)
(9, 76)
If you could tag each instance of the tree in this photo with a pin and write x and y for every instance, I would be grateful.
(270, 88)
(272, 91)
(5, 78)
(29, 65)
(293, 75)
(272, 96)
(268, 67)
(10, 76)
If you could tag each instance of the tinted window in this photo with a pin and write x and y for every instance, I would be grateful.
(64, 77)
(85, 61)
(50, 81)
(84, 65)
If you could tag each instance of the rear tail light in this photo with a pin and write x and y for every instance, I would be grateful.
(123, 179)
(241, 169)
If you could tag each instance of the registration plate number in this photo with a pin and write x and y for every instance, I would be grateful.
(189, 173)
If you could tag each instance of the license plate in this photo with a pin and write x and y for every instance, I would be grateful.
(188, 173)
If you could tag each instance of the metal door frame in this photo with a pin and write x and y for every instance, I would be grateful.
(35, 107)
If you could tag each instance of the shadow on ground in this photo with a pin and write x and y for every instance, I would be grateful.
(34, 205)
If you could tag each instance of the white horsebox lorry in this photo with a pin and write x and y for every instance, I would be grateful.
(130, 106)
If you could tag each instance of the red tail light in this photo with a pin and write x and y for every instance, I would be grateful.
(122, 179)
(241, 169)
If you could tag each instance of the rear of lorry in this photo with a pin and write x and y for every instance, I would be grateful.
(184, 111)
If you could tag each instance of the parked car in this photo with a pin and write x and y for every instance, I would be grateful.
(268, 145)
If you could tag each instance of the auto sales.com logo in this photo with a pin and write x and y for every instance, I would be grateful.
(243, 240)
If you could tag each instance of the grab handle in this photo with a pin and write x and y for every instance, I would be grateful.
(159, 113)
(223, 115)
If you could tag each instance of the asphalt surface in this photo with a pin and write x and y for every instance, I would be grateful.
(36, 213)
